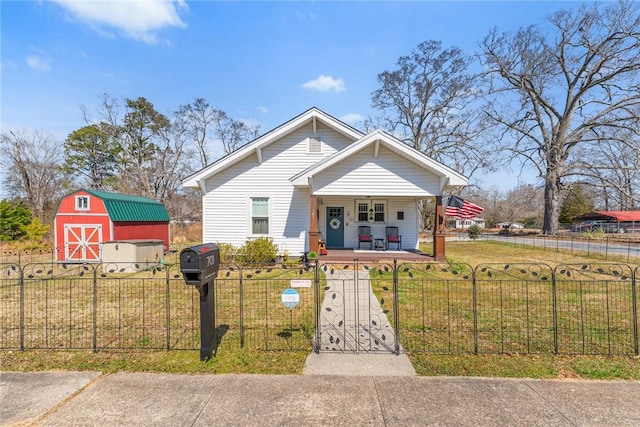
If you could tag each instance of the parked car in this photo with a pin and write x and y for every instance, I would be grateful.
(606, 227)
(583, 226)
(609, 227)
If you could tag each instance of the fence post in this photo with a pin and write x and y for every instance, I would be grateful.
(316, 300)
(634, 308)
(475, 310)
(21, 269)
(95, 310)
(241, 308)
(554, 307)
(571, 245)
(168, 305)
(396, 315)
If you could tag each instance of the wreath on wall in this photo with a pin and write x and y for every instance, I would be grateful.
(334, 223)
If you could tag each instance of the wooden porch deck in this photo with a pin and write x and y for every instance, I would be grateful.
(344, 255)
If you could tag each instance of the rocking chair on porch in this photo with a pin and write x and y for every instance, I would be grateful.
(393, 237)
(364, 236)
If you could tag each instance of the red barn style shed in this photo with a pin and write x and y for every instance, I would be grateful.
(87, 218)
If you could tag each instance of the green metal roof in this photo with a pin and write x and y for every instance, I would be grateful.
(122, 207)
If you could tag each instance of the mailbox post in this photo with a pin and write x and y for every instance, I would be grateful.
(199, 267)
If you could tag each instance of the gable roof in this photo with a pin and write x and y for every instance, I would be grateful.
(254, 147)
(123, 207)
(448, 176)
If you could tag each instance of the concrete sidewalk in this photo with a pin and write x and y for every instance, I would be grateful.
(144, 399)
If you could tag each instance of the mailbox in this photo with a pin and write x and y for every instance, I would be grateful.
(200, 264)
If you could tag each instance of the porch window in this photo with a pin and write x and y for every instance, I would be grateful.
(371, 210)
(363, 211)
(378, 211)
(82, 203)
(260, 215)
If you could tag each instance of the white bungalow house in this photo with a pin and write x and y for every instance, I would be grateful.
(463, 224)
(316, 177)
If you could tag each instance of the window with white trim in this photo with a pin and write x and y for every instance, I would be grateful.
(82, 203)
(371, 210)
(259, 215)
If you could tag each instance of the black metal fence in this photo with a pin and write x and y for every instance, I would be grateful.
(625, 248)
(137, 306)
(518, 308)
(434, 308)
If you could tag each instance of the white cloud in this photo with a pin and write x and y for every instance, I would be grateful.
(37, 63)
(262, 109)
(325, 84)
(352, 118)
(138, 19)
(7, 65)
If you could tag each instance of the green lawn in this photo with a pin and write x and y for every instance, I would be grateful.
(416, 298)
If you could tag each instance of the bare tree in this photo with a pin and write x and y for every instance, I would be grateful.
(196, 122)
(612, 169)
(565, 86)
(233, 133)
(522, 204)
(32, 163)
(204, 125)
(519, 204)
(427, 102)
(151, 154)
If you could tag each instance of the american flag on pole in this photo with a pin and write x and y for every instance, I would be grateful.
(463, 209)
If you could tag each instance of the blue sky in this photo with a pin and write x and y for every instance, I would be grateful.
(263, 62)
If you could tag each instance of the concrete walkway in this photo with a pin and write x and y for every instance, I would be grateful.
(144, 399)
(356, 336)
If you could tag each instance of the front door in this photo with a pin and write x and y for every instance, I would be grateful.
(335, 227)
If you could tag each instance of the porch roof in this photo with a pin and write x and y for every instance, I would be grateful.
(377, 139)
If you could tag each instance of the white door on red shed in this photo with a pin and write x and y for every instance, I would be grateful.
(82, 242)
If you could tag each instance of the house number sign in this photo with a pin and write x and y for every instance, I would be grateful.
(290, 298)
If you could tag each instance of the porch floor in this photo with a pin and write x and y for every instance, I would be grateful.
(349, 254)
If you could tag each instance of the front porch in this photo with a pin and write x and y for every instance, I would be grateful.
(335, 223)
(349, 255)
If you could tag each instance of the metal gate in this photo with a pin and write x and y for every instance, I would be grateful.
(357, 311)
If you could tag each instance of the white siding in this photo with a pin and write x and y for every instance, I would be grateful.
(362, 174)
(226, 204)
(407, 228)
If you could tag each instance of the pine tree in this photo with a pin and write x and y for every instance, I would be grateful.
(577, 202)
(14, 219)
